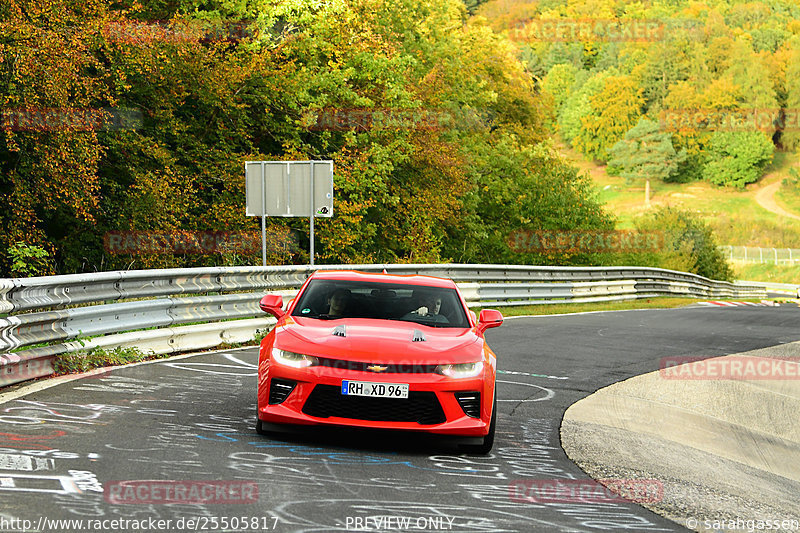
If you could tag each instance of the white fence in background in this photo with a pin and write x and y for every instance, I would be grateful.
(755, 254)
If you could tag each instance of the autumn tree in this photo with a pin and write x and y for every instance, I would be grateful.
(613, 111)
(791, 135)
(218, 85)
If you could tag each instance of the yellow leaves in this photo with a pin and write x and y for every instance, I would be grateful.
(722, 93)
(682, 95)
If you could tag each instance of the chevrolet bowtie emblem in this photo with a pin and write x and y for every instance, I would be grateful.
(377, 368)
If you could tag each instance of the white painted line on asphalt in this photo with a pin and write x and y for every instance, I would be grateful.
(52, 382)
(548, 393)
(530, 374)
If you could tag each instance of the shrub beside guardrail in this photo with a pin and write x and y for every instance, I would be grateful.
(149, 309)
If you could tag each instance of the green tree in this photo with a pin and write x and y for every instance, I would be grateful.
(736, 158)
(666, 65)
(473, 5)
(577, 105)
(559, 53)
(689, 244)
(29, 260)
(559, 81)
(646, 153)
(523, 188)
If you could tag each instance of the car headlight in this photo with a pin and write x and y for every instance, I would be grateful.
(296, 360)
(461, 370)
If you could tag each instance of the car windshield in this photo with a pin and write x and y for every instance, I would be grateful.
(334, 299)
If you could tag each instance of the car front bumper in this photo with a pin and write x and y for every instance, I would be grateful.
(295, 408)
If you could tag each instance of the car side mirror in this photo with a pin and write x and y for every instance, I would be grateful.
(272, 304)
(489, 318)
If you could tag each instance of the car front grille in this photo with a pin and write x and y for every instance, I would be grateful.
(421, 407)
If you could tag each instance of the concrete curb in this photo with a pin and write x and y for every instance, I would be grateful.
(723, 449)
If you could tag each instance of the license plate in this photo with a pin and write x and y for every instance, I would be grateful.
(374, 390)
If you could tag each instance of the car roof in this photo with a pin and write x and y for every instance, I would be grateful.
(354, 275)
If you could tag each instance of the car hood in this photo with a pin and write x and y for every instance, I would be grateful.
(378, 341)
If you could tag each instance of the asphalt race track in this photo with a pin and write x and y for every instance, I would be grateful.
(68, 451)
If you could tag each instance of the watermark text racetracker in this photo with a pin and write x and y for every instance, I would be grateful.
(711, 120)
(586, 490)
(48, 119)
(567, 30)
(179, 242)
(589, 29)
(174, 32)
(16, 369)
(170, 491)
(729, 368)
(426, 119)
(584, 241)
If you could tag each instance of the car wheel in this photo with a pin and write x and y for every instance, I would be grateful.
(488, 441)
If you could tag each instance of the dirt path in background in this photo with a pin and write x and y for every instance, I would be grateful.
(766, 199)
(764, 196)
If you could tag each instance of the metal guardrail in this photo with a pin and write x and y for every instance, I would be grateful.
(149, 309)
(786, 288)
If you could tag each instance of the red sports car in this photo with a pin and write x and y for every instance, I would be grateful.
(379, 351)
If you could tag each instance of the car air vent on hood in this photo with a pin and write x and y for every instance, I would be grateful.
(418, 336)
(339, 331)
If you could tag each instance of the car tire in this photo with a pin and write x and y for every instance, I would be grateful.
(488, 441)
(260, 427)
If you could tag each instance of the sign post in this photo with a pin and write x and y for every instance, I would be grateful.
(311, 220)
(263, 216)
(289, 189)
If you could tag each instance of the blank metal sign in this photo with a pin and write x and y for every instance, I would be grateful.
(288, 188)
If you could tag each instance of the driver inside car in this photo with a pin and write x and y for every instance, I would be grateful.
(428, 307)
(338, 302)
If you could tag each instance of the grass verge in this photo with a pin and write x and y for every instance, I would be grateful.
(767, 272)
(788, 199)
(83, 361)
